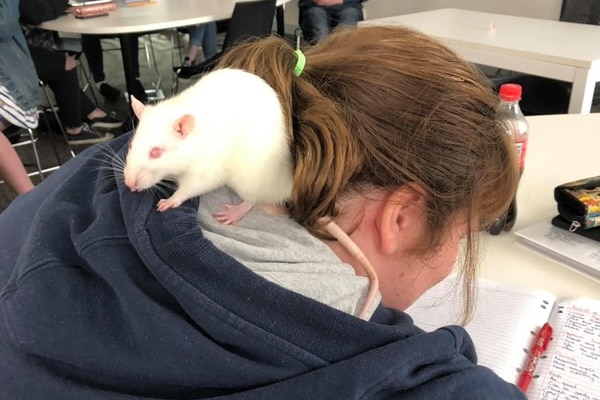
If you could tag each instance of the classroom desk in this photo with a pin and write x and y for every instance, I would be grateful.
(554, 49)
(562, 148)
(126, 22)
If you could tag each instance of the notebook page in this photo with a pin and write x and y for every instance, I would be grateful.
(571, 368)
(506, 318)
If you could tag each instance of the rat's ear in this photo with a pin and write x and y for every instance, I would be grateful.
(184, 125)
(137, 106)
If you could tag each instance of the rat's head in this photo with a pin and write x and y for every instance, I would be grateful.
(157, 150)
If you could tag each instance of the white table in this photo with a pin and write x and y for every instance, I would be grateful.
(126, 21)
(562, 148)
(554, 49)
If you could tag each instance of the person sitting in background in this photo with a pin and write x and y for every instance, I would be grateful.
(18, 94)
(204, 35)
(92, 48)
(201, 36)
(57, 69)
(318, 17)
(393, 139)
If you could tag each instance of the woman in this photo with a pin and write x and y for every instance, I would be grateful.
(18, 94)
(318, 17)
(201, 36)
(393, 138)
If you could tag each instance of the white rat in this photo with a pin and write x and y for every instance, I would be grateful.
(226, 129)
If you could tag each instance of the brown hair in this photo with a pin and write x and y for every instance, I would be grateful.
(380, 107)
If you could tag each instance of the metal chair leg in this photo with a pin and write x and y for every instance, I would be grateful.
(60, 125)
(151, 60)
(88, 82)
(33, 139)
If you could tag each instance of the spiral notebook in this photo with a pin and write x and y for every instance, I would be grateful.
(506, 319)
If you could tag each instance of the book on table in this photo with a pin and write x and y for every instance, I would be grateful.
(576, 252)
(91, 8)
(73, 3)
(505, 323)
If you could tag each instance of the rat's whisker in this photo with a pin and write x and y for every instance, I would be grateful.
(160, 191)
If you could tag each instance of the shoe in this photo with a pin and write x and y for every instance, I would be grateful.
(182, 72)
(109, 121)
(110, 93)
(187, 62)
(186, 72)
(139, 92)
(89, 135)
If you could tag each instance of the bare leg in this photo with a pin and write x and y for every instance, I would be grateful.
(192, 52)
(11, 167)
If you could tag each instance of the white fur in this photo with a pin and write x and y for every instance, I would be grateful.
(239, 139)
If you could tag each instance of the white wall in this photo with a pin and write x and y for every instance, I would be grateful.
(545, 9)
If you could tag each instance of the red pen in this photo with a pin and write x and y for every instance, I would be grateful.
(539, 347)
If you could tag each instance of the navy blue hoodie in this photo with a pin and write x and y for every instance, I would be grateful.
(103, 297)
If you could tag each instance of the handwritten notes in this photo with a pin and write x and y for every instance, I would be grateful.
(513, 310)
(503, 328)
(571, 370)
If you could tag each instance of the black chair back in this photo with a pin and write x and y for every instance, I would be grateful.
(250, 19)
(581, 11)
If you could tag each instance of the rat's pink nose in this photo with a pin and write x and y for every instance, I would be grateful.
(131, 183)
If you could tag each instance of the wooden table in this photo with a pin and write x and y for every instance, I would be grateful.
(560, 50)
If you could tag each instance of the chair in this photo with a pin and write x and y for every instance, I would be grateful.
(250, 19)
(550, 96)
(19, 137)
(156, 93)
(54, 109)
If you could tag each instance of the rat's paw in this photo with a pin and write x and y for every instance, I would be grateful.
(231, 214)
(165, 204)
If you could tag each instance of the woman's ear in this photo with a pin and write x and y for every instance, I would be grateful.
(401, 219)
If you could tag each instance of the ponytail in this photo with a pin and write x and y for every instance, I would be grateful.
(324, 153)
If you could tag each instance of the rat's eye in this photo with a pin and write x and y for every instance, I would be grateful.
(155, 152)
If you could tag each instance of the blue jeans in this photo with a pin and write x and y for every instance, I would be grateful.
(205, 36)
(316, 22)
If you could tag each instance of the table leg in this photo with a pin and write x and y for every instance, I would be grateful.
(129, 42)
(582, 92)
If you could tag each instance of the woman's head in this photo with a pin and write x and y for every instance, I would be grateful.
(379, 108)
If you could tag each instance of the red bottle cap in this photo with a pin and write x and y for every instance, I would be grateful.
(510, 92)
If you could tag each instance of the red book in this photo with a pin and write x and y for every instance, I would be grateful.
(93, 9)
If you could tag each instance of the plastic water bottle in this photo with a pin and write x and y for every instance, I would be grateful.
(510, 114)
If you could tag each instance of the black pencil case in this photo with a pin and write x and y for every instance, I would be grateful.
(578, 203)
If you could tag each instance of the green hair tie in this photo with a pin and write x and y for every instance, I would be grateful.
(300, 63)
